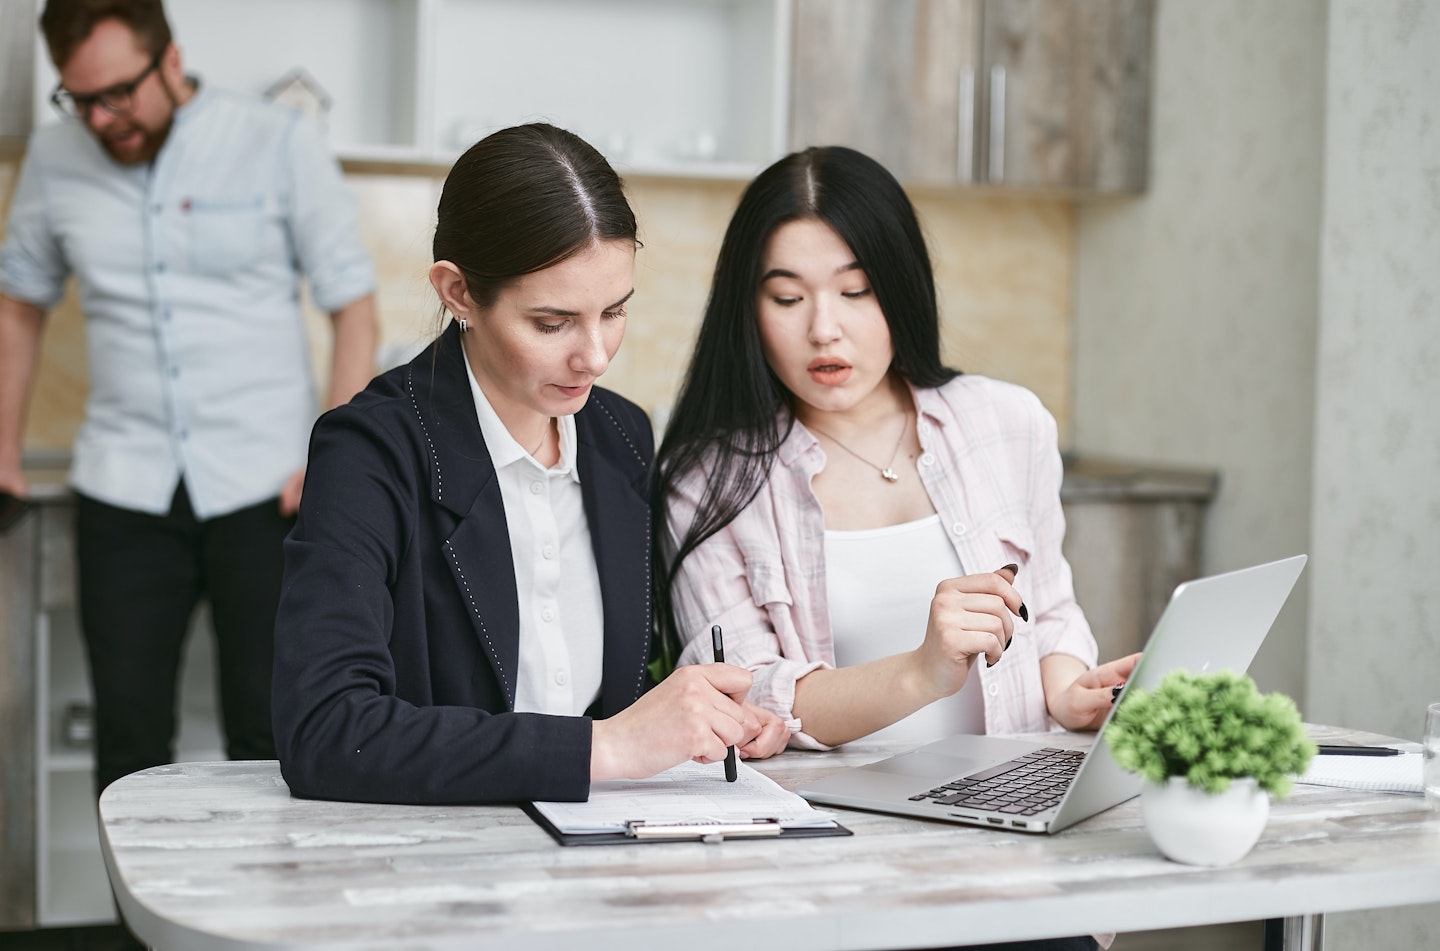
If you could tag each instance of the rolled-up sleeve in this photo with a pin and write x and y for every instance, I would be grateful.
(33, 267)
(323, 222)
(735, 579)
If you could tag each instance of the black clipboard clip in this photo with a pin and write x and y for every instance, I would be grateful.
(706, 830)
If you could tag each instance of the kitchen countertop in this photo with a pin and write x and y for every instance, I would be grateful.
(1087, 479)
(46, 474)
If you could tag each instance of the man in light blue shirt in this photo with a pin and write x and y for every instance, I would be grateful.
(188, 217)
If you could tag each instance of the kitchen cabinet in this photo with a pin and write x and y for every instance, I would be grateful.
(1066, 92)
(1046, 94)
(694, 88)
(892, 79)
(1026, 94)
(53, 873)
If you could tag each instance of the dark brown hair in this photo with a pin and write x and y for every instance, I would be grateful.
(68, 23)
(523, 199)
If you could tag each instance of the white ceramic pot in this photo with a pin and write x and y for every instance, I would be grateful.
(1198, 828)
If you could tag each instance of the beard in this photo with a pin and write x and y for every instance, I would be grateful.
(129, 142)
(133, 144)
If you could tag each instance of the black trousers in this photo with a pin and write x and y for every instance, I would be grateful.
(140, 579)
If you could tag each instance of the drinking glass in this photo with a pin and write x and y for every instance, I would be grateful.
(1432, 756)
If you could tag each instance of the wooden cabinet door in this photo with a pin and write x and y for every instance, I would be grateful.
(893, 79)
(1066, 94)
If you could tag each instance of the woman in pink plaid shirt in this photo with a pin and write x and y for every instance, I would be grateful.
(878, 535)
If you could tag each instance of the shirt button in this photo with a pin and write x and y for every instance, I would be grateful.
(165, 316)
(993, 689)
(160, 267)
(536, 488)
(157, 208)
(927, 460)
(184, 434)
(958, 528)
(548, 614)
(548, 551)
(561, 678)
(174, 373)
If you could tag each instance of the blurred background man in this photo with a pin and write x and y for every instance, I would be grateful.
(189, 217)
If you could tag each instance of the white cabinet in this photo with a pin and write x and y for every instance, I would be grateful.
(695, 88)
(62, 881)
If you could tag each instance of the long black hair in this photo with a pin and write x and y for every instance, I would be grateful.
(728, 417)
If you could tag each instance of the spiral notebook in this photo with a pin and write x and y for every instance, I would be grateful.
(1400, 774)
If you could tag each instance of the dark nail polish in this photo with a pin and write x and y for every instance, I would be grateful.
(1012, 566)
(1115, 692)
(1024, 612)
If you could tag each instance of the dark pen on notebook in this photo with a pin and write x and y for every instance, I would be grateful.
(1358, 750)
(718, 642)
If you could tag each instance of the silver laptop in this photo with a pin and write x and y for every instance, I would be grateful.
(1214, 623)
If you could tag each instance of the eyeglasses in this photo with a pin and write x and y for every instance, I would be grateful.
(117, 100)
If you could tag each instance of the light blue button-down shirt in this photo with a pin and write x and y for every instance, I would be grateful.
(189, 273)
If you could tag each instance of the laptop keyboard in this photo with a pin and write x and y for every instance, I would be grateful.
(1022, 786)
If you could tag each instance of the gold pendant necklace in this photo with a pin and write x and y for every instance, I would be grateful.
(887, 471)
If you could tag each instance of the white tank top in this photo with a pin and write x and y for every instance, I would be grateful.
(879, 584)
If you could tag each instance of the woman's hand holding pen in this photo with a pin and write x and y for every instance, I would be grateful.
(694, 714)
(969, 616)
(1084, 703)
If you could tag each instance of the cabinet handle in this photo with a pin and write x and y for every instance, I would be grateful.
(965, 144)
(996, 171)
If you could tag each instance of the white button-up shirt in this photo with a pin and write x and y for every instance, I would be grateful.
(562, 626)
(189, 271)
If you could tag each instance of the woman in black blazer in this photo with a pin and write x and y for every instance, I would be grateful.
(398, 638)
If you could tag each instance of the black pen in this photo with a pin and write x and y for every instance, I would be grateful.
(1359, 750)
(718, 642)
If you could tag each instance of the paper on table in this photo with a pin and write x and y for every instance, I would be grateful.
(1379, 773)
(689, 792)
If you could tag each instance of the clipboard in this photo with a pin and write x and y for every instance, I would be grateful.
(639, 833)
(688, 802)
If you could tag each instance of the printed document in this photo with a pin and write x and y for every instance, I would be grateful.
(685, 794)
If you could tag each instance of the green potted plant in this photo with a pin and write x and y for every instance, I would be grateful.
(1212, 751)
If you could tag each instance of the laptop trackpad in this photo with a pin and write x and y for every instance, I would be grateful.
(958, 755)
(930, 765)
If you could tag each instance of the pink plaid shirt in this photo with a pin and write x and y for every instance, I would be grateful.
(991, 467)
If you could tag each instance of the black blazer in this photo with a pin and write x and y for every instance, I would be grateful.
(397, 637)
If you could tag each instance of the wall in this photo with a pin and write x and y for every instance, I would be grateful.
(1273, 307)
(1195, 307)
(1003, 269)
(1375, 635)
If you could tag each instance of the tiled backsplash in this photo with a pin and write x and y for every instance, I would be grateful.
(1003, 267)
